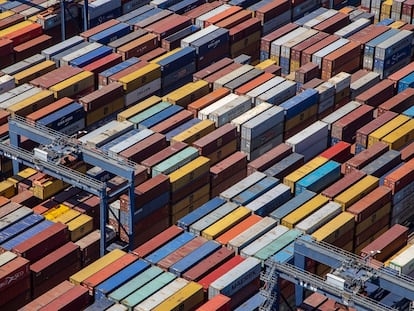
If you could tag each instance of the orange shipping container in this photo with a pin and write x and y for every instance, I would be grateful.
(221, 16)
(206, 100)
(237, 229)
(25, 34)
(245, 88)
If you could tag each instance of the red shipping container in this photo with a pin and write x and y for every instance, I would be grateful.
(340, 152)
(181, 252)
(32, 47)
(208, 264)
(307, 53)
(143, 149)
(401, 177)
(26, 198)
(388, 243)
(367, 234)
(401, 73)
(206, 100)
(76, 298)
(139, 46)
(344, 183)
(307, 72)
(272, 10)
(296, 51)
(4, 116)
(172, 122)
(227, 168)
(377, 94)
(220, 73)
(217, 303)
(221, 16)
(157, 52)
(201, 9)
(235, 19)
(269, 158)
(407, 153)
(126, 71)
(398, 103)
(99, 98)
(6, 47)
(55, 76)
(102, 64)
(312, 302)
(216, 139)
(13, 272)
(202, 74)
(43, 243)
(333, 23)
(364, 157)
(94, 30)
(224, 268)
(89, 247)
(45, 111)
(25, 34)
(169, 25)
(245, 88)
(95, 279)
(19, 287)
(266, 41)
(244, 29)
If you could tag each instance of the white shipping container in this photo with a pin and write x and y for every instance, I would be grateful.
(340, 112)
(286, 47)
(118, 129)
(404, 262)
(251, 234)
(212, 217)
(235, 279)
(352, 28)
(364, 83)
(136, 95)
(61, 46)
(341, 81)
(319, 19)
(279, 93)
(204, 113)
(317, 219)
(326, 91)
(6, 83)
(18, 98)
(269, 197)
(68, 58)
(275, 46)
(230, 110)
(97, 131)
(163, 294)
(118, 148)
(6, 257)
(15, 216)
(117, 307)
(231, 76)
(254, 154)
(250, 114)
(253, 94)
(319, 55)
(263, 241)
(197, 35)
(15, 91)
(243, 184)
(262, 123)
(200, 20)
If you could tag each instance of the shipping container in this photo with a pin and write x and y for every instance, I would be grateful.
(187, 298)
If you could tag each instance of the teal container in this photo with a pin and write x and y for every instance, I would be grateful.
(174, 162)
(148, 289)
(147, 113)
(277, 245)
(134, 284)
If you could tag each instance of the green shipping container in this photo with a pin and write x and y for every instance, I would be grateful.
(174, 162)
(138, 118)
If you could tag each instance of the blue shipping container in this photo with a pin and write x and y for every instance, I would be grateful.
(213, 40)
(194, 257)
(119, 67)
(200, 212)
(143, 16)
(125, 17)
(181, 128)
(252, 304)
(406, 82)
(39, 227)
(409, 112)
(64, 117)
(320, 178)
(185, 6)
(90, 57)
(299, 103)
(270, 200)
(159, 117)
(291, 205)
(111, 34)
(20, 227)
(385, 22)
(256, 190)
(100, 304)
(177, 60)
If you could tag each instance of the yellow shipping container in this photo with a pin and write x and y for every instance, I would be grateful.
(240, 45)
(27, 172)
(386, 9)
(189, 208)
(104, 111)
(335, 228)
(226, 223)
(6, 13)
(48, 189)
(34, 72)
(397, 24)
(188, 93)
(15, 180)
(74, 85)
(357, 191)
(401, 136)
(387, 262)
(7, 189)
(223, 152)
(195, 132)
(96, 266)
(291, 179)
(15, 27)
(186, 299)
(56, 212)
(190, 199)
(298, 119)
(140, 77)
(264, 64)
(141, 106)
(189, 172)
(304, 211)
(294, 65)
(67, 216)
(379, 214)
(32, 104)
(80, 226)
(156, 60)
(387, 128)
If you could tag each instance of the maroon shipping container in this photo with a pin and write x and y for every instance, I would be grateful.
(89, 247)
(162, 155)
(19, 301)
(377, 94)
(367, 235)
(146, 192)
(49, 109)
(344, 183)
(244, 29)
(401, 177)
(55, 76)
(227, 183)
(66, 194)
(8, 208)
(150, 231)
(407, 153)
(367, 34)
(307, 53)
(334, 23)
(139, 46)
(202, 74)
(172, 122)
(90, 207)
(217, 75)
(345, 128)
(244, 293)
(341, 56)
(149, 56)
(216, 139)
(47, 297)
(169, 25)
(76, 298)
(269, 158)
(307, 72)
(340, 152)
(13, 272)
(364, 157)
(296, 51)
(181, 252)
(388, 243)
(11, 20)
(90, 32)
(43, 243)
(26, 198)
(32, 47)
(312, 302)
(126, 71)
(273, 69)
(363, 132)
(227, 168)
(145, 148)
(398, 103)
(208, 264)
(371, 203)
(211, 57)
(99, 98)
(201, 9)
(152, 19)
(19, 287)
(266, 41)
(272, 10)
(315, 82)
(4, 116)
(359, 74)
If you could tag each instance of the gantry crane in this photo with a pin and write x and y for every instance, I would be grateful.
(337, 286)
(56, 145)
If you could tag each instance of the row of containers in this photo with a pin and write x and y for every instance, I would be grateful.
(236, 125)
